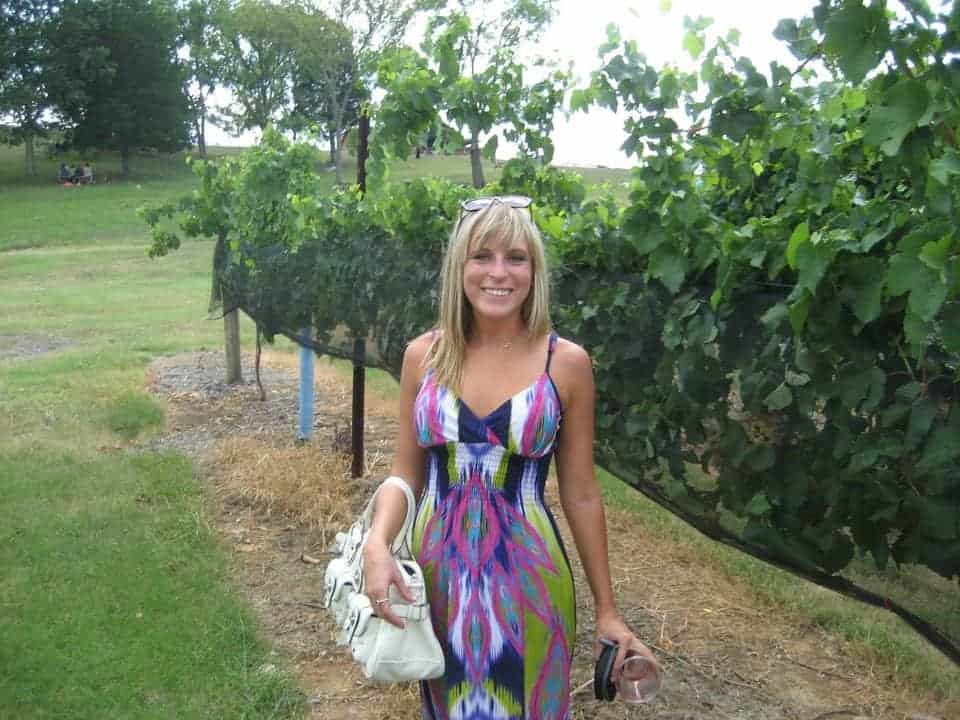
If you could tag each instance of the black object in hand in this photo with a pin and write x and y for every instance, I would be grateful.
(603, 686)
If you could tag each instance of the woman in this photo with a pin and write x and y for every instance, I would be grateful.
(481, 401)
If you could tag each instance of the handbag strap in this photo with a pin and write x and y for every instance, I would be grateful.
(404, 538)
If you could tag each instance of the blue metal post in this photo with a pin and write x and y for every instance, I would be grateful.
(306, 386)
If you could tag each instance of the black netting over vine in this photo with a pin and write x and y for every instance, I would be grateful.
(753, 377)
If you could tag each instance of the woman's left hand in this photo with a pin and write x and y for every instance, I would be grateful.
(610, 626)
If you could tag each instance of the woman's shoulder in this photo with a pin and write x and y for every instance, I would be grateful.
(568, 354)
(419, 346)
(416, 353)
(571, 370)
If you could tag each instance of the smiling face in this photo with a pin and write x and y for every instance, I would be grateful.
(494, 268)
(497, 277)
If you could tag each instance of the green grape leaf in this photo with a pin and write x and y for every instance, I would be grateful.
(863, 386)
(903, 106)
(854, 35)
(905, 273)
(926, 300)
(893, 414)
(693, 43)
(863, 289)
(650, 239)
(945, 166)
(915, 330)
(669, 267)
(935, 255)
(799, 312)
(922, 415)
(800, 235)
(943, 445)
(758, 505)
(908, 392)
(864, 459)
(779, 398)
(812, 262)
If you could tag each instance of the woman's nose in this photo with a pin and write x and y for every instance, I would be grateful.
(498, 267)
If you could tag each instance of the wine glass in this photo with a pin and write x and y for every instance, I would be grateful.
(640, 678)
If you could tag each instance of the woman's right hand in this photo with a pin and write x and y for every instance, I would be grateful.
(380, 571)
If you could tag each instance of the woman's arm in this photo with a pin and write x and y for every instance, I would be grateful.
(580, 492)
(380, 570)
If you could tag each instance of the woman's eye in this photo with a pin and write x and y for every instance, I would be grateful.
(517, 259)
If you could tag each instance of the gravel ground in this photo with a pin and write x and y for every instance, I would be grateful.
(23, 346)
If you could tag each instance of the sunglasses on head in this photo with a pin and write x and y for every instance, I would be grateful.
(481, 203)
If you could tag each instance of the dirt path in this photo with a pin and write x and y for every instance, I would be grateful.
(727, 656)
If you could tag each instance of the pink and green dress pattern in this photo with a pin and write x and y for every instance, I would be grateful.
(500, 585)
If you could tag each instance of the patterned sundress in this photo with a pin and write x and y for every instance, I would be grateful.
(500, 586)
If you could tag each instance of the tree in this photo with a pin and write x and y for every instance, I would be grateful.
(474, 47)
(327, 84)
(259, 62)
(115, 76)
(336, 75)
(23, 80)
(376, 26)
(472, 73)
(201, 32)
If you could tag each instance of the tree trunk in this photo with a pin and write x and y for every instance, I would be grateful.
(231, 336)
(31, 164)
(363, 152)
(202, 126)
(338, 162)
(333, 148)
(202, 135)
(125, 162)
(475, 162)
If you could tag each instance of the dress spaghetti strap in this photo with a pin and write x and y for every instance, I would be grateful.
(550, 349)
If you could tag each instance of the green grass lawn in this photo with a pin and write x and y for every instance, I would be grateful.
(115, 600)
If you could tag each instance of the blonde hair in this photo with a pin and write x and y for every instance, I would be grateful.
(498, 225)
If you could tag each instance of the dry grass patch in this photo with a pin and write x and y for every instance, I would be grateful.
(303, 482)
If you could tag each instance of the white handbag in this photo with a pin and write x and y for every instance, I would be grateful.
(385, 651)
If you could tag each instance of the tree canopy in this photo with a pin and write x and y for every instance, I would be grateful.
(202, 28)
(259, 62)
(470, 72)
(327, 86)
(24, 54)
(115, 76)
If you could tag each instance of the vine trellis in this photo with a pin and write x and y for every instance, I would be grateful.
(774, 313)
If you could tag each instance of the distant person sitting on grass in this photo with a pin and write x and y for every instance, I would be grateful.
(66, 173)
(86, 174)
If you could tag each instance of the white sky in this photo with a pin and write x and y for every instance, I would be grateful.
(594, 138)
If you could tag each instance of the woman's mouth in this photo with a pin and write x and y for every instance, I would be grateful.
(497, 292)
